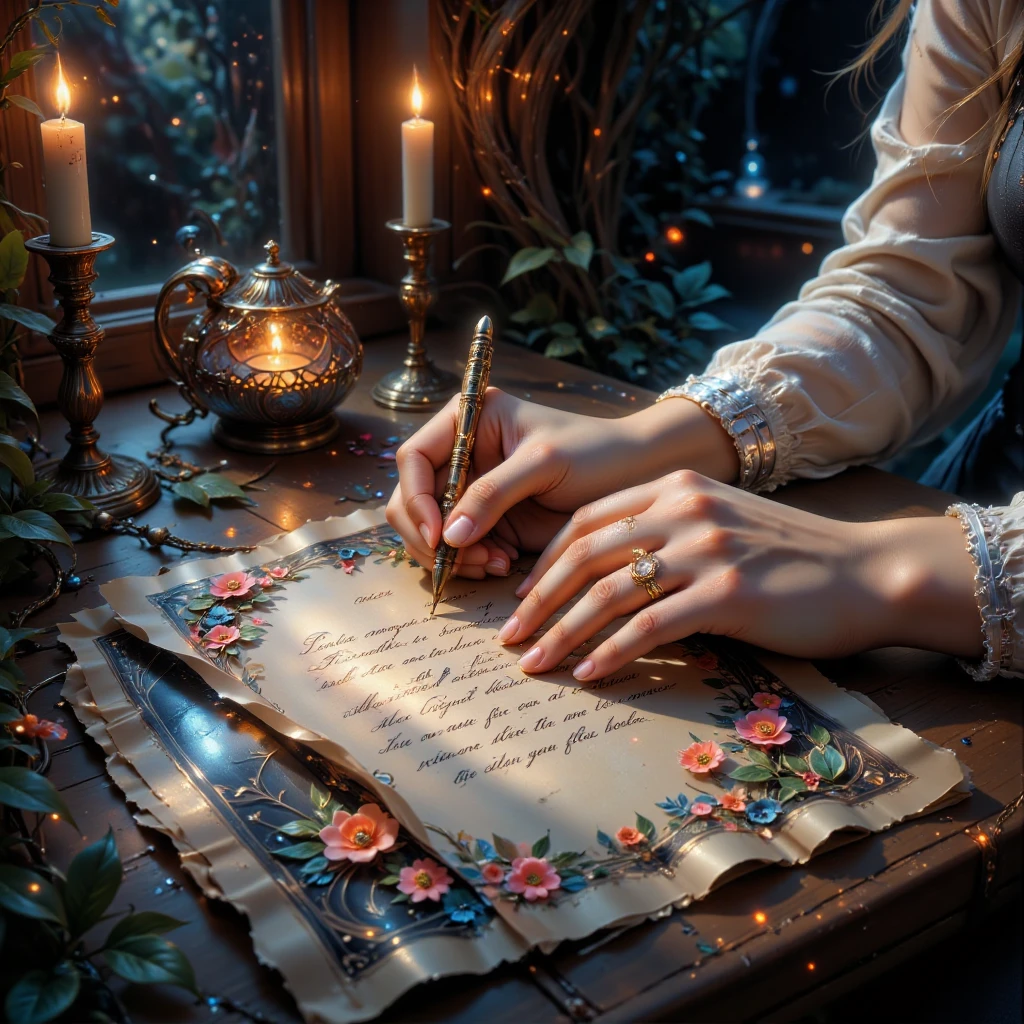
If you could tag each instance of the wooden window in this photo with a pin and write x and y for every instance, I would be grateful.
(335, 80)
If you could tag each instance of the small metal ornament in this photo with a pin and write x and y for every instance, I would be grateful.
(419, 386)
(272, 354)
(113, 483)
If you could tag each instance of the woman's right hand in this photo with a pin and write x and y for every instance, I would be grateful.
(533, 466)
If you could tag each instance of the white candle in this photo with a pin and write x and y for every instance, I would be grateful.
(64, 170)
(417, 165)
(277, 358)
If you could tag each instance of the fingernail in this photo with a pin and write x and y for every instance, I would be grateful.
(458, 531)
(510, 629)
(425, 534)
(584, 670)
(497, 567)
(531, 659)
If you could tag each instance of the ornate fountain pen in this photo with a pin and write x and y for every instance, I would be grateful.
(471, 404)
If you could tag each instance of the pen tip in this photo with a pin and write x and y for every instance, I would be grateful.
(483, 325)
(433, 607)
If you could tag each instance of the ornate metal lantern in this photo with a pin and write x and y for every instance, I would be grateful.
(271, 354)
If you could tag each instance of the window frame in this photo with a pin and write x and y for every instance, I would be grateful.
(344, 72)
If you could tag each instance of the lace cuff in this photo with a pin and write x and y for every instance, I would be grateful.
(994, 589)
(742, 419)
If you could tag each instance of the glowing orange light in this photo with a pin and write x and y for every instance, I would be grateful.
(34, 887)
(674, 235)
(275, 339)
(807, 248)
(230, 532)
(981, 839)
(176, 121)
(810, 967)
(62, 92)
(486, 191)
(116, 99)
(760, 917)
(597, 131)
(417, 94)
(649, 256)
(19, 728)
(55, 817)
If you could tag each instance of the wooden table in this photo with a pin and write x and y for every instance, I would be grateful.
(830, 926)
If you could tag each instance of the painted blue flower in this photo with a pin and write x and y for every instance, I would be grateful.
(464, 908)
(573, 883)
(218, 615)
(346, 553)
(705, 799)
(675, 808)
(764, 811)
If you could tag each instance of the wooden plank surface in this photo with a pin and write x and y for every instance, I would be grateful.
(850, 912)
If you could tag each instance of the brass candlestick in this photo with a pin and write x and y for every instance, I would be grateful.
(419, 385)
(116, 484)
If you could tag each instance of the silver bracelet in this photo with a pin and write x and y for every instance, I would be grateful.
(742, 419)
(991, 588)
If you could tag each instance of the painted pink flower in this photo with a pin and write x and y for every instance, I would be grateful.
(257, 621)
(700, 758)
(278, 572)
(629, 836)
(736, 800)
(361, 836)
(348, 565)
(221, 636)
(706, 661)
(532, 878)
(812, 779)
(764, 728)
(701, 808)
(265, 581)
(766, 700)
(425, 880)
(493, 872)
(232, 584)
(729, 826)
(42, 728)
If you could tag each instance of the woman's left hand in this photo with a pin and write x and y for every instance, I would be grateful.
(734, 563)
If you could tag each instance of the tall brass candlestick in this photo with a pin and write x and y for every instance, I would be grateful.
(113, 483)
(419, 385)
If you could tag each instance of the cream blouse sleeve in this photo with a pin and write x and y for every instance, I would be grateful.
(904, 324)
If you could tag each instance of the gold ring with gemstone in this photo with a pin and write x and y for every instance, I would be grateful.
(642, 570)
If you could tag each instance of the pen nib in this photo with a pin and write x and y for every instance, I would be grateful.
(433, 607)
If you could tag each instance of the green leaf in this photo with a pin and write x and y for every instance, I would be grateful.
(300, 851)
(659, 298)
(21, 62)
(150, 960)
(28, 894)
(29, 791)
(9, 390)
(507, 850)
(217, 486)
(201, 604)
(646, 826)
(715, 683)
(712, 293)
(691, 281)
(598, 328)
(541, 847)
(797, 765)
(540, 309)
(820, 735)
(144, 922)
(92, 882)
(318, 797)
(699, 217)
(16, 461)
(760, 757)
(31, 524)
(10, 637)
(55, 501)
(251, 632)
(190, 492)
(623, 268)
(390, 880)
(39, 996)
(559, 348)
(27, 317)
(580, 251)
(816, 761)
(13, 260)
(836, 763)
(751, 773)
(705, 321)
(530, 258)
(796, 785)
(302, 828)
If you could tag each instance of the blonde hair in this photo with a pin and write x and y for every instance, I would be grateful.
(991, 136)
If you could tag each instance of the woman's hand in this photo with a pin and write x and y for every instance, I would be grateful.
(739, 565)
(532, 466)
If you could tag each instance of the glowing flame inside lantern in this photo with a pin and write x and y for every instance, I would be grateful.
(275, 339)
(417, 94)
(63, 93)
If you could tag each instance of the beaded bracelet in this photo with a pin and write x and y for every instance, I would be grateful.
(991, 588)
(742, 419)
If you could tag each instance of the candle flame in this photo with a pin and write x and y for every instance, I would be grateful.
(63, 93)
(417, 93)
(275, 339)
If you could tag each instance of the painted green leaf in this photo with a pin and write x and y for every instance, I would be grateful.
(646, 826)
(13, 260)
(816, 761)
(820, 735)
(541, 847)
(751, 773)
(300, 851)
(42, 995)
(201, 604)
(390, 880)
(530, 258)
(303, 828)
(760, 757)
(505, 847)
(836, 763)
(149, 960)
(797, 765)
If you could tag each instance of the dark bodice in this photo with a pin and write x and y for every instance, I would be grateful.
(1005, 196)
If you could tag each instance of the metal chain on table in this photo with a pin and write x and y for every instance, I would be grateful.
(988, 842)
